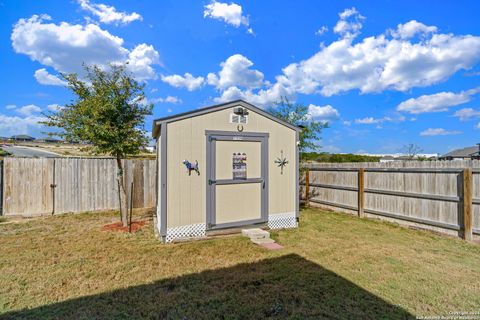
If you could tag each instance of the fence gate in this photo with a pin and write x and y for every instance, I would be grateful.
(26, 186)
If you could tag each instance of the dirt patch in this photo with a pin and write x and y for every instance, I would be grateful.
(117, 226)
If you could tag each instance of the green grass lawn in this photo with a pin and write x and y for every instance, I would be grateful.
(333, 266)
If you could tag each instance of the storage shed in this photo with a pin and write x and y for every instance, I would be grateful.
(225, 166)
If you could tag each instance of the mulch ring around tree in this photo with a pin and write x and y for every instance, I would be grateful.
(117, 226)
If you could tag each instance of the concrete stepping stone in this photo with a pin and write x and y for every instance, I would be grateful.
(256, 233)
(262, 238)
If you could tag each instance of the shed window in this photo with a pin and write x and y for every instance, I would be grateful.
(236, 118)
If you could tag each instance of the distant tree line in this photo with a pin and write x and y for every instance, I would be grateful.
(337, 158)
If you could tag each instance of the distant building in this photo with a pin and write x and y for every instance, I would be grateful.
(468, 153)
(390, 158)
(22, 137)
(387, 159)
(49, 140)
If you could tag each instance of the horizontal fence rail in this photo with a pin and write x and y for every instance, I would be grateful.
(441, 195)
(40, 186)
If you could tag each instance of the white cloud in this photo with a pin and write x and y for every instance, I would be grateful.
(438, 132)
(229, 13)
(323, 113)
(379, 63)
(168, 99)
(186, 81)
(44, 77)
(412, 28)
(10, 106)
(350, 23)
(108, 14)
(372, 120)
(373, 64)
(437, 102)
(54, 107)
(65, 47)
(467, 113)
(368, 120)
(263, 97)
(28, 110)
(322, 30)
(141, 59)
(236, 72)
(11, 125)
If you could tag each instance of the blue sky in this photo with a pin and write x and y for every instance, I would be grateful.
(382, 73)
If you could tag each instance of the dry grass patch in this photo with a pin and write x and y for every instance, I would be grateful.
(334, 266)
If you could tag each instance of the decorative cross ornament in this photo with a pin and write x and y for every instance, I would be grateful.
(281, 162)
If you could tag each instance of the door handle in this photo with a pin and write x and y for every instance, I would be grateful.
(210, 182)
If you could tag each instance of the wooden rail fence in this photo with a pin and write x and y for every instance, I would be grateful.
(438, 198)
(39, 186)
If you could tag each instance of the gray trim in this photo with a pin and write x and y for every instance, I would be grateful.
(236, 224)
(163, 184)
(232, 181)
(236, 134)
(297, 176)
(215, 108)
(211, 137)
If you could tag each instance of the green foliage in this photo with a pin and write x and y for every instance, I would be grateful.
(107, 112)
(338, 158)
(297, 114)
(4, 153)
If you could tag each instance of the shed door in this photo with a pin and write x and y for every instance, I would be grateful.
(237, 184)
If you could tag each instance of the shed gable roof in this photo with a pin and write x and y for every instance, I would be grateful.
(214, 108)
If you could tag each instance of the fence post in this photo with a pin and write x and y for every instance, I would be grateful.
(361, 192)
(467, 204)
(307, 186)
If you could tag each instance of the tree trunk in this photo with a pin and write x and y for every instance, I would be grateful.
(122, 191)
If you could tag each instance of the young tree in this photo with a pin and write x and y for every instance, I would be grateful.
(107, 114)
(411, 150)
(297, 114)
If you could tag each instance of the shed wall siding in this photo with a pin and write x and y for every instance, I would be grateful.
(186, 195)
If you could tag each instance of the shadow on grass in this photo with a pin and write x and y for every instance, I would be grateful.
(285, 287)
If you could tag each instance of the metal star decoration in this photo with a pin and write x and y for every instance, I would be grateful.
(281, 162)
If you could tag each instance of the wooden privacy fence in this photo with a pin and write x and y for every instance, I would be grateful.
(41, 186)
(443, 196)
